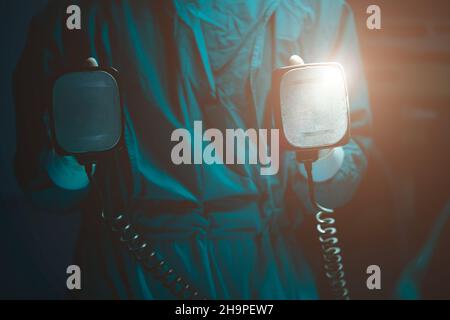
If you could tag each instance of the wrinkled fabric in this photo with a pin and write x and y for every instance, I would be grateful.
(230, 231)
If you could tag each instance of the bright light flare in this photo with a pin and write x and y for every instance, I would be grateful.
(314, 105)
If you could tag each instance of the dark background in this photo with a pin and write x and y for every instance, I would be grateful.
(408, 185)
(35, 247)
(405, 191)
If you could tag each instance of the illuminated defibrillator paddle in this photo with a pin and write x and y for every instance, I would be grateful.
(87, 123)
(313, 114)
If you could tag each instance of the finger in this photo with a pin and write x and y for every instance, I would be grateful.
(296, 60)
(91, 62)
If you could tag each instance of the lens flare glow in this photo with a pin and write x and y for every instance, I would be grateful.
(314, 106)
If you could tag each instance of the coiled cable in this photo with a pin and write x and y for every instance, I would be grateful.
(331, 252)
(141, 249)
(150, 258)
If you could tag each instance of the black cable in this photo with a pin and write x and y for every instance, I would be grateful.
(333, 264)
(331, 253)
(142, 250)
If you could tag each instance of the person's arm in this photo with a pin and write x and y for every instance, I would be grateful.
(333, 37)
(52, 182)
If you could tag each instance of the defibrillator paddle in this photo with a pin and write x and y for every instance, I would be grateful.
(88, 124)
(312, 111)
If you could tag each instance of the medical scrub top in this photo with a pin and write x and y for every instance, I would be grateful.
(230, 231)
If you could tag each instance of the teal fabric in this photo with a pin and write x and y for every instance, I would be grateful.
(232, 232)
(420, 269)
